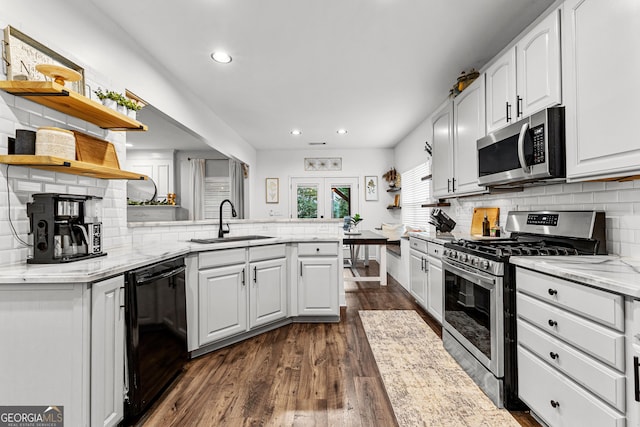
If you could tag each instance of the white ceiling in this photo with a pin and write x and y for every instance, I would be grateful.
(374, 67)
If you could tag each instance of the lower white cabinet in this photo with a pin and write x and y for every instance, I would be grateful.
(318, 279)
(419, 276)
(222, 303)
(571, 350)
(240, 289)
(107, 352)
(63, 344)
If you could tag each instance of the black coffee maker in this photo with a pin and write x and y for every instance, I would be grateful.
(65, 227)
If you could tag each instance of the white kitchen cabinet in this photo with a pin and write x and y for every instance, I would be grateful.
(435, 296)
(527, 78)
(222, 302)
(318, 279)
(63, 344)
(419, 276)
(107, 352)
(267, 292)
(468, 127)
(457, 126)
(442, 161)
(601, 57)
(571, 351)
(161, 170)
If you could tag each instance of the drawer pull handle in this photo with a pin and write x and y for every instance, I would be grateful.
(553, 291)
(553, 355)
(636, 378)
(317, 249)
(553, 323)
(555, 404)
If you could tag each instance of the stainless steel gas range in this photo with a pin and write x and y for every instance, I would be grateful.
(479, 324)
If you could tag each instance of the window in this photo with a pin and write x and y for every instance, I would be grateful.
(324, 197)
(415, 193)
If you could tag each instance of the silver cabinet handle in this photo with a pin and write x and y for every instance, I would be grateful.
(523, 161)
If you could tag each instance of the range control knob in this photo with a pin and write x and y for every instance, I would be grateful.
(445, 252)
(475, 261)
(464, 257)
(484, 264)
(455, 254)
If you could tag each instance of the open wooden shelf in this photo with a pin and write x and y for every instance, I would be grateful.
(66, 101)
(426, 177)
(394, 189)
(436, 205)
(394, 207)
(72, 167)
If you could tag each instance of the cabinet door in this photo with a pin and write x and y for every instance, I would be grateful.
(223, 302)
(434, 299)
(318, 287)
(268, 292)
(417, 282)
(501, 91)
(601, 86)
(538, 66)
(107, 352)
(442, 163)
(469, 119)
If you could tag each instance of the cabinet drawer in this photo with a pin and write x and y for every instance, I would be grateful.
(600, 342)
(220, 258)
(603, 381)
(435, 250)
(539, 384)
(597, 305)
(259, 253)
(418, 244)
(325, 248)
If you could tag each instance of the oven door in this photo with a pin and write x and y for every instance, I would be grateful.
(473, 313)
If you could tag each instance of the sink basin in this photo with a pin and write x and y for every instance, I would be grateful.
(231, 239)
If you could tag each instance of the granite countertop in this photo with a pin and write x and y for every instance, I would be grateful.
(432, 237)
(608, 272)
(123, 259)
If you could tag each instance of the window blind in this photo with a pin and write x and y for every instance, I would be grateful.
(216, 189)
(415, 193)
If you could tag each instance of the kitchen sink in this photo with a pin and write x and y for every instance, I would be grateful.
(231, 239)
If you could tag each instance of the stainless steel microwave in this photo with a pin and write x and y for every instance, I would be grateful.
(528, 150)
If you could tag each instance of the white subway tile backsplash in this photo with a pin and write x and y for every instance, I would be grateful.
(55, 116)
(55, 188)
(76, 123)
(65, 178)
(614, 185)
(593, 186)
(28, 106)
(629, 195)
(42, 175)
(7, 126)
(605, 196)
(27, 186)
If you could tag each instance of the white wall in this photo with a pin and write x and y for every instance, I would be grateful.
(355, 163)
(409, 153)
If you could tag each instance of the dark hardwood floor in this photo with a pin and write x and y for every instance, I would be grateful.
(300, 374)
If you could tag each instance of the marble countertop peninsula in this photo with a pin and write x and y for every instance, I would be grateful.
(126, 258)
(609, 272)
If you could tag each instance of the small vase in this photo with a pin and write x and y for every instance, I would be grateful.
(121, 109)
(131, 113)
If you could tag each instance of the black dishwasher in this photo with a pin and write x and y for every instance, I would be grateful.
(156, 331)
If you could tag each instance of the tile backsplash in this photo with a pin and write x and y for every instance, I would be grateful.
(619, 200)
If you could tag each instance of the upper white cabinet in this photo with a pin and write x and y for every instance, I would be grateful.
(601, 88)
(527, 78)
(442, 161)
(457, 126)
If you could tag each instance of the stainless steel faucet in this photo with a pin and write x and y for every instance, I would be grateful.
(221, 231)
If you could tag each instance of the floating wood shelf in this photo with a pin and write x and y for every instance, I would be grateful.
(394, 207)
(66, 101)
(72, 167)
(436, 205)
(427, 177)
(394, 190)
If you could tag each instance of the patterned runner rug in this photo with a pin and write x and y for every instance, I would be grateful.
(425, 385)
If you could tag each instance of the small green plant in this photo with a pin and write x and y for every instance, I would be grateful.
(119, 98)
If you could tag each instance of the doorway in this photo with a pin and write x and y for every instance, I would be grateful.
(320, 197)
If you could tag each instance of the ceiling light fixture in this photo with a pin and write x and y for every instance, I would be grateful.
(296, 132)
(317, 143)
(128, 144)
(341, 131)
(221, 57)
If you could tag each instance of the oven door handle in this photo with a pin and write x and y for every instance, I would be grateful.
(478, 279)
(521, 157)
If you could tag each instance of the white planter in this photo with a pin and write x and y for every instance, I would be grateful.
(121, 109)
(131, 113)
(109, 103)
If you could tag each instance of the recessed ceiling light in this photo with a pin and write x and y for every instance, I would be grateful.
(341, 131)
(296, 132)
(317, 143)
(221, 57)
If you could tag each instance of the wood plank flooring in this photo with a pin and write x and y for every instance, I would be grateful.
(300, 374)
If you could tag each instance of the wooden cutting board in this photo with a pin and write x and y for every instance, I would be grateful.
(478, 217)
(93, 150)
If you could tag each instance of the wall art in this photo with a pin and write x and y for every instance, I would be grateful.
(370, 188)
(272, 188)
(22, 54)
(323, 164)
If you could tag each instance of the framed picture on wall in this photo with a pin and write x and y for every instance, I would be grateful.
(272, 188)
(371, 188)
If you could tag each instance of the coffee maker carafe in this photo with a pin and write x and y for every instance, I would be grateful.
(65, 227)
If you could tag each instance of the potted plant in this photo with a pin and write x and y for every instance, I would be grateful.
(392, 177)
(132, 107)
(351, 222)
(108, 98)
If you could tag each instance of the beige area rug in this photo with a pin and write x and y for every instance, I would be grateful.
(425, 385)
